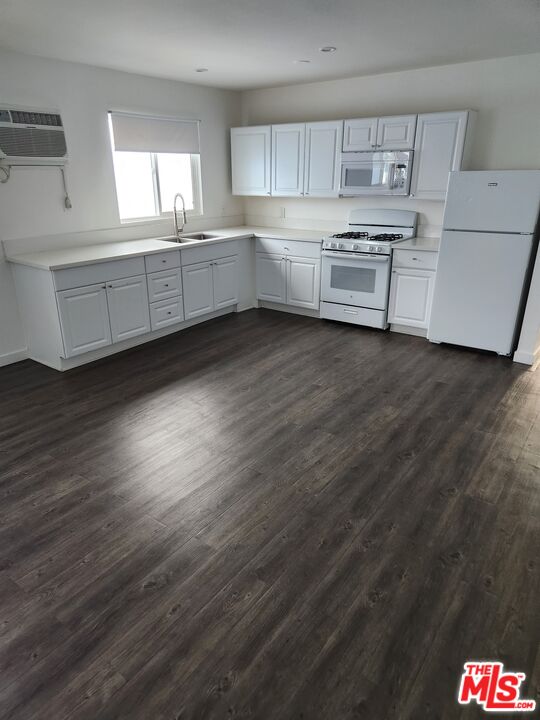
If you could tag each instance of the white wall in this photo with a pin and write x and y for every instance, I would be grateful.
(31, 202)
(504, 91)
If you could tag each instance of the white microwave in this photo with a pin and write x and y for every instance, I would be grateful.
(376, 173)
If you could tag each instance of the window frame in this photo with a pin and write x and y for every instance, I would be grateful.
(196, 185)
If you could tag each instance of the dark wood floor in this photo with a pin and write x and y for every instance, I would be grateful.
(267, 517)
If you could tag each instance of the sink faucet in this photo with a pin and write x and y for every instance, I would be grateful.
(177, 229)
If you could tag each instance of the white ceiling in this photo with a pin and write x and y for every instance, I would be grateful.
(254, 43)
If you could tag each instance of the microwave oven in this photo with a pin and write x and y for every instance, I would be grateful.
(376, 173)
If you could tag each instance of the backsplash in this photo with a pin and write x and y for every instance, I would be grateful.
(332, 214)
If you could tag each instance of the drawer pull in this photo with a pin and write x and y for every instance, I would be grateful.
(166, 284)
(169, 312)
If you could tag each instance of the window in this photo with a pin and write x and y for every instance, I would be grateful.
(147, 181)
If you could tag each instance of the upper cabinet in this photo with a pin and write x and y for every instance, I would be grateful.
(359, 135)
(441, 145)
(322, 158)
(304, 159)
(250, 160)
(288, 148)
(385, 133)
(396, 133)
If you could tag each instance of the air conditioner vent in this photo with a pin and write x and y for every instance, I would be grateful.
(29, 142)
(31, 137)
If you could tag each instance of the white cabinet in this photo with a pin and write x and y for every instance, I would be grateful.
(384, 133)
(250, 160)
(84, 319)
(441, 144)
(287, 278)
(288, 147)
(270, 277)
(396, 132)
(198, 290)
(322, 158)
(128, 307)
(303, 282)
(225, 282)
(359, 135)
(411, 296)
(210, 286)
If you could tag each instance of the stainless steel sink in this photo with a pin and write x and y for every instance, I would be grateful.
(198, 236)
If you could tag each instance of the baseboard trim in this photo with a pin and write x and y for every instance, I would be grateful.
(13, 357)
(293, 309)
(409, 330)
(526, 358)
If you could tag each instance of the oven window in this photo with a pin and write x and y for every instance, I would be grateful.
(354, 279)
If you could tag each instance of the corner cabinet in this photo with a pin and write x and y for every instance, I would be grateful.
(250, 160)
(441, 145)
(288, 272)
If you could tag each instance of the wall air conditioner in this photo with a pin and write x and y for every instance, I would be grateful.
(31, 137)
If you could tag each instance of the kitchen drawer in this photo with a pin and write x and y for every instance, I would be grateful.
(98, 272)
(207, 253)
(298, 248)
(418, 259)
(166, 312)
(164, 284)
(162, 261)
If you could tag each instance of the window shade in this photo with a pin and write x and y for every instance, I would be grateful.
(138, 133)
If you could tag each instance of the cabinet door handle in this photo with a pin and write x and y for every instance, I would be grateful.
(166, 284)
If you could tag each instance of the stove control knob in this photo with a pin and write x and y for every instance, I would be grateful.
(355, 247)
(379, 249)
(371, 248)
(334, 245)
(341, 246)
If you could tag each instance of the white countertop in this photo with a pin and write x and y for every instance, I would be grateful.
(102, 252)
(430, 244)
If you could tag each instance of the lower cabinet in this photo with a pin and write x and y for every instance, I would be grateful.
(289, 280)
(411, 295)
(84, 319)
(303, 282)
(270, 277)
(210, 286)
(128, 307)
(166, 312)
(94, 316)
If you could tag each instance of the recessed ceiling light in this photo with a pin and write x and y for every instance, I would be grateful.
(303, 62)
(328, 49)
(201, 69)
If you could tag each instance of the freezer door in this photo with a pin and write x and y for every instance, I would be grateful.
(494, 201)
(478, 289)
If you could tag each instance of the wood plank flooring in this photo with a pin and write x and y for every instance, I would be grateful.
(268, 517)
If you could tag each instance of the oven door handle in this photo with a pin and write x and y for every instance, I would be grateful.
(361, 257)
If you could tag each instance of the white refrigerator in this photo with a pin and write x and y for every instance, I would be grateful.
(486, 251)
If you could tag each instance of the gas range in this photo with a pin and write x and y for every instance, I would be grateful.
(356, 266)
(363, 241)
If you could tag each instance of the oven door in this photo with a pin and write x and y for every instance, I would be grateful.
(355, 279)
(379, 173)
